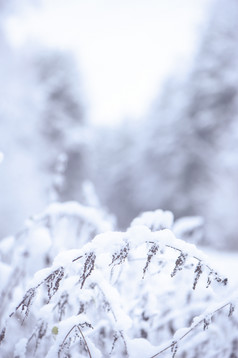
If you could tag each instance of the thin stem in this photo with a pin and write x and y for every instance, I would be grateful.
(85, 342)
(195, 257)
(77, 258)
(185, 334)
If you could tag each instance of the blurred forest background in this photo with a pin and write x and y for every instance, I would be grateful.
(182, 155)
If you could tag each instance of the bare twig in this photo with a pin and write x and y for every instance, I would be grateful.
(85, 342)
(192, 327)
(68, 334)
(77, 258)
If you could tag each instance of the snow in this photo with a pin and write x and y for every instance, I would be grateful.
(6, 245)
(189, 228)
(122, 321)
(110, 242)
(138, 235)
(141, 348)
(5, 273)
(180, 333)
(155, 220)
(66, 258)
(70, 277)
(90, 214)
(40, 242)
(95, 352)
(39, 277)
(20, 348)
(225, 262)
(114, 298)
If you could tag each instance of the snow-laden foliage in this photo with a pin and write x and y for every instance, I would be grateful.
(72, 287)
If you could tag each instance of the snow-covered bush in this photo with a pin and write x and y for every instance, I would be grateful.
(190, 228)
(139, 293)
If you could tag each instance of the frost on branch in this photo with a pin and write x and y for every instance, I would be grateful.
(70, 338)
(88, 267)
(174, 349)
(231, 310)
(152, 252)
(37, 336)
(198, 271)
(26, 302)
(2, 334)
(62, 304)
(118, 258)
(53, 280)
(179, 264)
(77, 307)
(213, 276)
(155, 220)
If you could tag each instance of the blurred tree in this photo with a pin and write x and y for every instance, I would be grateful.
(17, 140)
(198, 166)
(184, 156)
(62, 120)
(209, 129)
(112, 162)
(41, 123)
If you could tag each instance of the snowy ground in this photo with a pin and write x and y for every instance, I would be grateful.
(225, 262)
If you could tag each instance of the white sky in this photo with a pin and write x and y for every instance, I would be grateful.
(125, 47)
